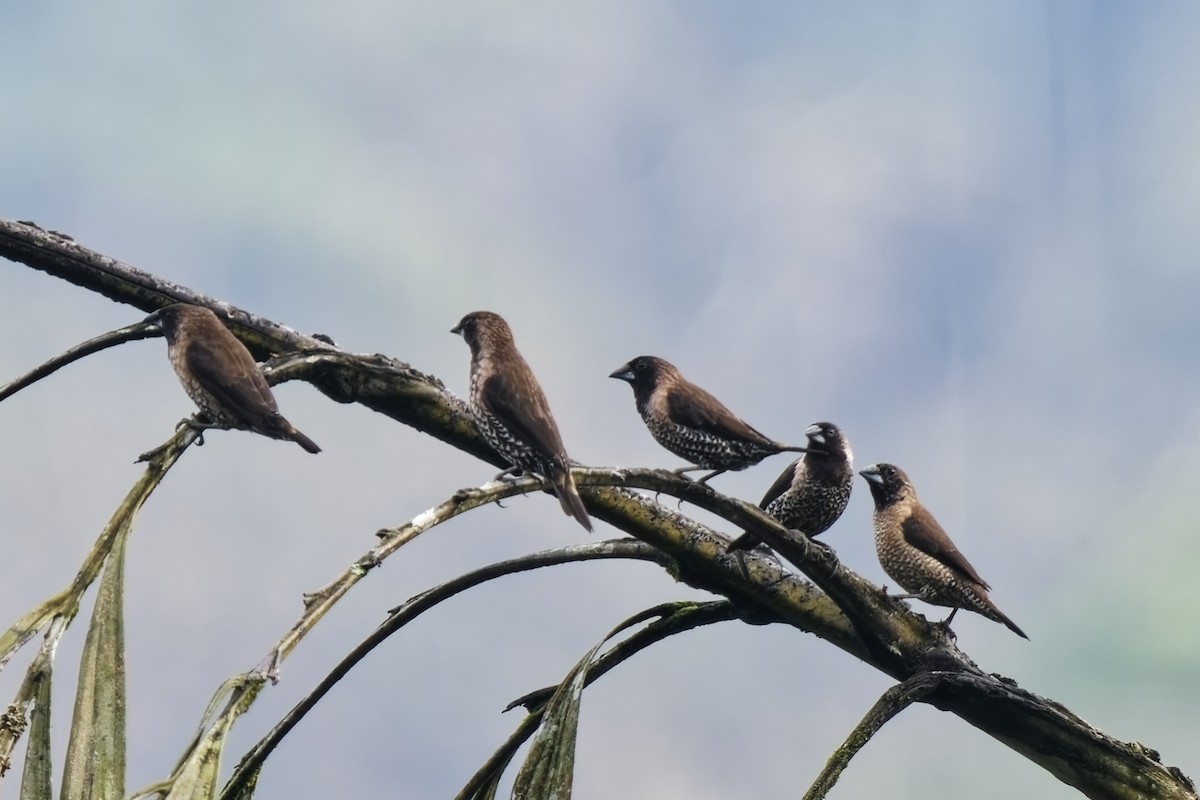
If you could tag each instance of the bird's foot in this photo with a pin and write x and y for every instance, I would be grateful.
(825, 549)
(189, 423)
(192, 423)
(510, 474)
(201, 423)
(944, 627)
(710, 476)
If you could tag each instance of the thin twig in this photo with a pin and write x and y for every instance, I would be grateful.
(892, 702)
(683, 617)
(410, 610)
(130, 333)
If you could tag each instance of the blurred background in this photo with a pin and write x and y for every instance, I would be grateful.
(963, 232)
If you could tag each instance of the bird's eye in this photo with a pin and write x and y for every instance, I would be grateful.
(641, 364)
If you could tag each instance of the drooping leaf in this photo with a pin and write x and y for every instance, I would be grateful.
(95, 764)
(35, 778)
(549, 769)
(197, 774)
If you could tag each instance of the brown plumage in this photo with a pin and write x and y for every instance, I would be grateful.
(691, 423)
(512, 412)
(220, 375)
(813, 491)
(917, 554)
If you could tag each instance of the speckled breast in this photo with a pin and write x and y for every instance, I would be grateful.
(705, 449)
(810, 509)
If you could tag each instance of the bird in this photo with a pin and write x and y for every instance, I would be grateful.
(220, 375)
(813, 491)
(511, 410)
(916, 553)
(691, 423)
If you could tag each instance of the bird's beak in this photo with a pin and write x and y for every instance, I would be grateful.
(817, 438)
(457, 329)
(871, 473)
(153, 321)
(625, 373)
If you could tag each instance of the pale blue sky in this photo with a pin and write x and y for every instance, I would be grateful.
(963, 232)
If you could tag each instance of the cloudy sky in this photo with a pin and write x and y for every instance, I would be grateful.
(963, 232)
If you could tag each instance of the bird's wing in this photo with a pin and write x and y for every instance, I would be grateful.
(698, 409)
(781, 484)
(519, 404)
(923, 532)
(227, 371)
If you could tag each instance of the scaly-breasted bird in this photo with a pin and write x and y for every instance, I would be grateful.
(511, 410)
(917, 554)
(691, 423)
(813, 492)
(220, 375)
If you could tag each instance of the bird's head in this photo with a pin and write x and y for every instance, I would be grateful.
(825, 438)
(644, 373)
(888, 483)
(170, 318)
(480, 329)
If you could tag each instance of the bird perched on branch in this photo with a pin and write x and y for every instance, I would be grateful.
(813, 491)
(220, 375)
(511, 410)
(917, 554)
(691, 423)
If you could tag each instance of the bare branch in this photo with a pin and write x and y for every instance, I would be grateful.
(410, 610)
(891, 703)
(130, 333)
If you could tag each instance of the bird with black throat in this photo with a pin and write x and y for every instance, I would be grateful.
(916, 553)
(511, 411)
(220, 375)
(811, 494)
(691, 423)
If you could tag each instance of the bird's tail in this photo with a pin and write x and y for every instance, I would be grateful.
(275, 426)
(572, 504)
(1012, 626)
(288, 431)
(999, 616)
(302, 440)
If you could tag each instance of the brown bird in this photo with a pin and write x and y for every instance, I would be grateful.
(813, 491)
(691, 423)
(220, 375)
(512, 412)
(917, 554)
